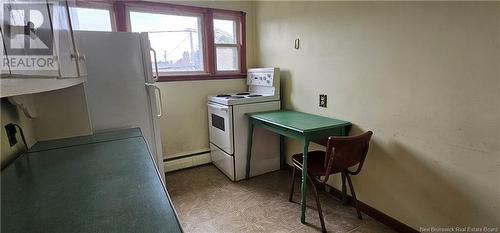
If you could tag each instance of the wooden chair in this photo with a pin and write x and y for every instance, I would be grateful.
(341, 154)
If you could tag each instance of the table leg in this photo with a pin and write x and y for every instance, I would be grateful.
(304, 181)
(344, 190)
(282, 153)
(249, 147)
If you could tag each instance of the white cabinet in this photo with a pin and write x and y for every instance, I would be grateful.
(80, 58)
(39, 46)
(63, 40)
(71, 62)
(4, 67)
(28, 39)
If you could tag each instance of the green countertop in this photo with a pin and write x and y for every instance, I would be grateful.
(74, 141)
(99, 183)
(298, 121)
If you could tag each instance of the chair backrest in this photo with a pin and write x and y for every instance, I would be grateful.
(345, 152)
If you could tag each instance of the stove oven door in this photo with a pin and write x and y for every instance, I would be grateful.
(220, 126)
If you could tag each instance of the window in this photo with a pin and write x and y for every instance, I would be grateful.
(226, 44)
(191, 43)
(177, 40)
(91, 19)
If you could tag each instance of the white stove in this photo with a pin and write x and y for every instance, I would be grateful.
(242, 98)
(263, 85)
(228, 126)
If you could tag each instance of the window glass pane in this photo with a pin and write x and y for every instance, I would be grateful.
(225, 31)
(89, 19)
(227, 59)
(176, 39)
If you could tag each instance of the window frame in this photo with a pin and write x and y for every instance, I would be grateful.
(121, 11)
(99, 6)
(203, 46)
(236, 45)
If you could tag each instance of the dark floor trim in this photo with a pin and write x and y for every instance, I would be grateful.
(370, 211)
(186, 156)
(374, 213)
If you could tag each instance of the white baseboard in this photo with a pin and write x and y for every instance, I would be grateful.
(186, 162)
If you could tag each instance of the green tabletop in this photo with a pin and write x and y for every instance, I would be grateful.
(101, 186)
(298, 121)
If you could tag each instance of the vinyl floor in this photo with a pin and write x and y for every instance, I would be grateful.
(207, 201)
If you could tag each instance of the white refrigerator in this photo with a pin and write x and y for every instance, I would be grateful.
(120, 88)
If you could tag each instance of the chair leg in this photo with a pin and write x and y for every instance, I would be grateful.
(292, 184)
(318, 205)
(353, 195)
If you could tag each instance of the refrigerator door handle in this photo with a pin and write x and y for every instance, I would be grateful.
(160, 113)
(155, 78)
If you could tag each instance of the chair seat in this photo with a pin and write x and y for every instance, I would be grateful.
(315, 161)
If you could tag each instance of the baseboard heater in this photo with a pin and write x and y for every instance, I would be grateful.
(186, 161)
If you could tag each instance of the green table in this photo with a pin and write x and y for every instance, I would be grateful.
(104, 182)
(299, 126)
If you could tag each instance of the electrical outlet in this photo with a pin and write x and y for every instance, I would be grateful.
(11, 131)
(322, 100)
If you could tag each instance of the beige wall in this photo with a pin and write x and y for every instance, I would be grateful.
(11, 114)
(61, 114)
(184, 129)
(58, 114)
(423, 76)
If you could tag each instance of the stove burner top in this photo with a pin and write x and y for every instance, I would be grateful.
(255, 95)
(235, 97)
(243, 93)
(223, 95)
